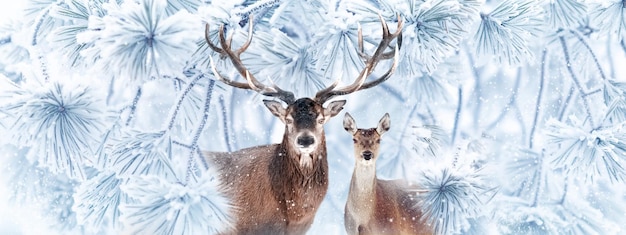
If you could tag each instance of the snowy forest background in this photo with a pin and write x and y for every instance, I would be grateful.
(512, 114)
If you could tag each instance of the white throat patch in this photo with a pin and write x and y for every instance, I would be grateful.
(306, 161)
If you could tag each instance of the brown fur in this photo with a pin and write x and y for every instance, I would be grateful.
(273, 192)
(377, 206)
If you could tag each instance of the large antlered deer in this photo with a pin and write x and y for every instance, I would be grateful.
(377, 206)
(277, 188)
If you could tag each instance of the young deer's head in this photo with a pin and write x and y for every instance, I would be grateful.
(366, 141)
(304, 118)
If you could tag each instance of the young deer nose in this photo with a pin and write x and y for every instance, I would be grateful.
(367, 155)
(306, 140)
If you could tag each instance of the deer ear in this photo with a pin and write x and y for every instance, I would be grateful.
(349, 124)
(334, 108)
(384, 124)
(276, 108)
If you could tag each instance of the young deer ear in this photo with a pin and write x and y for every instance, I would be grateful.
(349, 124)
(334, 108)
(384, 124)
(276, 108)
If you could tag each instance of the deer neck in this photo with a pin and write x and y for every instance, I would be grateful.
(363, 189)
(304, 164)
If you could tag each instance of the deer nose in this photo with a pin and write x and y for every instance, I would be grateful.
(367, 155)
(306, 140)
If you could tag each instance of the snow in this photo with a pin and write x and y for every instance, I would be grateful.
(513, 122)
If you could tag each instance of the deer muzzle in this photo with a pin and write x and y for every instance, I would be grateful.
(367, 155)
(305, 141)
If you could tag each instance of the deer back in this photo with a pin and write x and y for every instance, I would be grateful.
(397, 211)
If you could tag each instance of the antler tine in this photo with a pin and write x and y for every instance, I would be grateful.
(226, 80)
(385, 76)
(208, 41)
(397, 34)
(370, 63)
(245, 46)
(251, 82)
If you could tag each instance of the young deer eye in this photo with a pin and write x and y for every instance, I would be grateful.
(378, 141)
(289, 121)
(320, 121)
(354, 140)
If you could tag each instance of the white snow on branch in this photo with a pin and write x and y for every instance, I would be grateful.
(97, 200)
(590, 154)
(165, 207)
(609, 16)
(508, 30)
(60, 123)
(139, 40)
(139, 153)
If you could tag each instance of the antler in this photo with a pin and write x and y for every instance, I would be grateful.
(251, 82)
(370, 63)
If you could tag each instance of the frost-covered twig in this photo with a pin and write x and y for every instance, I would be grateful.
(511, 102)
(133, 106)
(229, 145)
(38, 23)
(593, 55)
(233, 106)
(255, 7)
(538, 108)
(539, 174)
(566, 103)
(457, 115)
(565, 189)
(196, 136)
(592, 92)
(477, 89)
(581, 90)
(43, 66)
(181, 98)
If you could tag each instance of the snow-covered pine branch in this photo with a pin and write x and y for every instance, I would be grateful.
(508, 30)
(433, 28)
(589, 154)
(144, 51)
(60, 123)
(96, 202)
(139, 40)
(164, 207)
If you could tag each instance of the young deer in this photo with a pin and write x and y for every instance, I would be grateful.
(377, 206)
(277, 188)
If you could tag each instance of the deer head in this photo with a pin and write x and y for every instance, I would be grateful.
(366, 141)
(304, 118)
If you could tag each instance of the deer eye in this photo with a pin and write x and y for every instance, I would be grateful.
(289, 121)
(320, 121)
(354, 140)
(378, 141)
